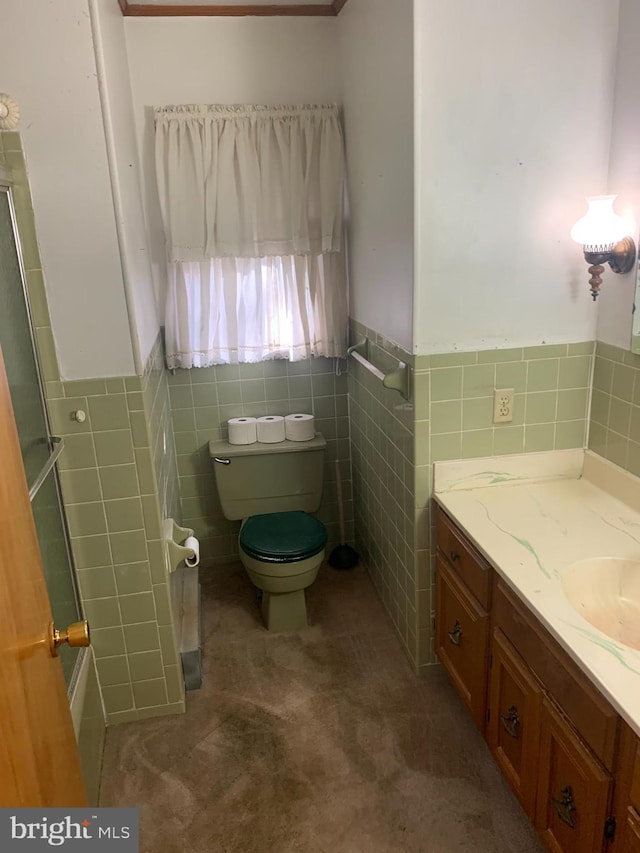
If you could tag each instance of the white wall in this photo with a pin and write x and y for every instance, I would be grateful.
(47, 64)
(114, 79)
(513, 120)
(617, 292)
(223, 60)
(376, 40)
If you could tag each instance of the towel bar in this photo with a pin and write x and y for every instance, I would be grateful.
(397, 380)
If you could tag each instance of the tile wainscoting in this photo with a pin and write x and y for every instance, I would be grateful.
(394, 444)
(454, 420)
(614, 429)
(118, 479)
(204, 399)
(383, 455)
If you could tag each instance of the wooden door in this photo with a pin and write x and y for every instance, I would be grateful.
(462, 640)
(513, 726)
(39, 764)
(574, 789)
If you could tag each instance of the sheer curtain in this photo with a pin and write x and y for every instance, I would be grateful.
(252, 204)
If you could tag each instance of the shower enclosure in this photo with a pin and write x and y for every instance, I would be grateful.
(38, 447)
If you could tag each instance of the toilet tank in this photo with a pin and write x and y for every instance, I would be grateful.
(254, 479)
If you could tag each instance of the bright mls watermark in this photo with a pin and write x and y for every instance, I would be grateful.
(81, 830)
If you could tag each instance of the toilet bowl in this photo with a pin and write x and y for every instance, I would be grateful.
(282, 553)
(273, 489)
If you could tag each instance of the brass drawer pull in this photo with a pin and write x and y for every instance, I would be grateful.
(511, 721)
(456, 635)
(453, 556)
(565, 806)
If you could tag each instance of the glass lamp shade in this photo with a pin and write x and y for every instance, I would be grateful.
(601, 228)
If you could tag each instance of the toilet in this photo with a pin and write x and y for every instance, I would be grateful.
(272, 488)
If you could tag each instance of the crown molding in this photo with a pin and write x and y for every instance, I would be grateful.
(156, 10)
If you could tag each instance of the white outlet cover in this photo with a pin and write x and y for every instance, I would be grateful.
(503, 405)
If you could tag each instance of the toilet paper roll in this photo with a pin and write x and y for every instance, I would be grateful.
(299, 427)
(242, 431)
(192, 542)
(270, 429)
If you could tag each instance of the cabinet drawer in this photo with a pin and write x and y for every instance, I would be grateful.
(513, 721)
(590, 713)
(574, 789)
(462, 640)
(472, 568)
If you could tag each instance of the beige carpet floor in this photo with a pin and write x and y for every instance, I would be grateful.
(315, 741)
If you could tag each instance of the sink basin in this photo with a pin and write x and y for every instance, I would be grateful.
(606, 592)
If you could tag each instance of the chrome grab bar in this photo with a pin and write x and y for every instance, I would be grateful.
(58, 444)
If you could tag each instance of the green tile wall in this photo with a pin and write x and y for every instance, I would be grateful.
(614, 429)
(204, 399)
(157, 409)
(451, 417)
(110, 471)
(383, 459)
(454, 420)
(91, 737)
(116, 489)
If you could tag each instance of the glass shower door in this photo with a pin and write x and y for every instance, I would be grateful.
(39, 449)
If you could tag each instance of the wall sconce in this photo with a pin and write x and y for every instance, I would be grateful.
(605, 239)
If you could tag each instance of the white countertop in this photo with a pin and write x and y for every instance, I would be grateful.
(532, 515)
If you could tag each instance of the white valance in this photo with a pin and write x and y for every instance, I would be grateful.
(250, 181)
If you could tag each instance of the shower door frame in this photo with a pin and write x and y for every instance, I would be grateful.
(56, 444)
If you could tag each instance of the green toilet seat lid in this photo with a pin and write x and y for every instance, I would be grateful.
(283, 537)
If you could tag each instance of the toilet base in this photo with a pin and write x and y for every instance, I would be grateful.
(283, 602)
(285, 611)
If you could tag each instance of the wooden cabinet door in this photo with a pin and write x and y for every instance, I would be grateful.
(574, 789)
(462, 640)
(630, 832)
(626, 794)
(513, 724)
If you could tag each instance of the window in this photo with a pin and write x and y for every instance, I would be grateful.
(252, 207)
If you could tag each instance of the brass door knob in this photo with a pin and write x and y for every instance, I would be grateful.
(76, 635)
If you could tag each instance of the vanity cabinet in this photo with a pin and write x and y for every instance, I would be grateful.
(574, 789)
(513, 719)
(631, 828)
(462, 640)
(554, 736)
(463, 596)
(627, 794)
(590, 714)
(468, 565)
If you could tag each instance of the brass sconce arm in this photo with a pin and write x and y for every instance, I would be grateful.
(621, 260)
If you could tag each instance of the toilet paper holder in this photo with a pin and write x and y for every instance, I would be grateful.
(173, 536)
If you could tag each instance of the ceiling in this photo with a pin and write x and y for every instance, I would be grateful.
(166, 8)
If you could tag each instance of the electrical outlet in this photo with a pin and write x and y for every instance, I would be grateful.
(502, 405)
